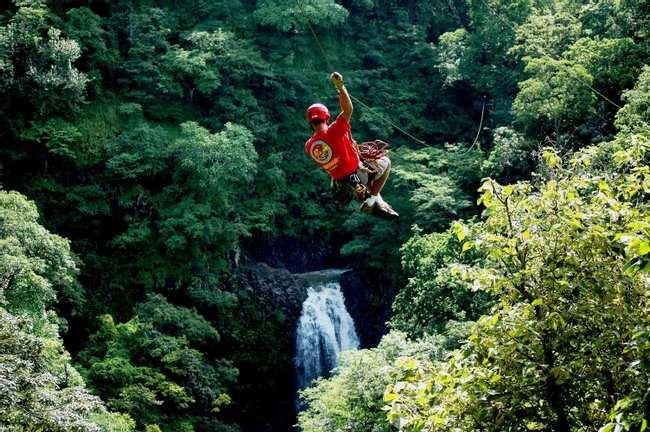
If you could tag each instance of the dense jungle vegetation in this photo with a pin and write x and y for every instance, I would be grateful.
(150, 148)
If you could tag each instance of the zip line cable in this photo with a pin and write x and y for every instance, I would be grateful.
(313, 33)
(495, 13)
(575, 77)
(480, 126)
(389, 122)
(331, 69)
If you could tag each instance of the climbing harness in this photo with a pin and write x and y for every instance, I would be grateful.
(344, 190)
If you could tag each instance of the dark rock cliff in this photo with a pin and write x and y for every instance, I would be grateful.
(293, 254)
(270, 391)
(363, 299)
(285, 290)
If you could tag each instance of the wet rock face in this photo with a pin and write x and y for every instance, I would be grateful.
(284, 289)
(273, 390)
(368, 314)
(295, 255)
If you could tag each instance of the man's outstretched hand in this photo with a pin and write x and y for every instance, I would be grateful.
(337, 79)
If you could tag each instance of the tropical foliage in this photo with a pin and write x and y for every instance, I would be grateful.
(41, 388)
(150, 150)
(562, 344)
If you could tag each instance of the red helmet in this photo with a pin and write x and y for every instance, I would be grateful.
(318, 111)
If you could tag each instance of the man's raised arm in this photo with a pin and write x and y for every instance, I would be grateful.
(344, 96)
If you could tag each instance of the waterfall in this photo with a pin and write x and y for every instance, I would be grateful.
(324, 330)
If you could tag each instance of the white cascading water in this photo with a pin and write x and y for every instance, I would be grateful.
(324, 330)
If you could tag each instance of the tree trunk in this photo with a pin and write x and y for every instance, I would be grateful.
(554, 393)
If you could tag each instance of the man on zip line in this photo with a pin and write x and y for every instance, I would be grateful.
(333, 149)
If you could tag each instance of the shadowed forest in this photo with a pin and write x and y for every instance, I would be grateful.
(153, 151)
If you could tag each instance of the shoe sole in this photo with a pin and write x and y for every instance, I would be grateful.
(382, 214)
(378, 212)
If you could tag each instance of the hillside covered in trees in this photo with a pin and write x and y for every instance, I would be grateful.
(152, 151)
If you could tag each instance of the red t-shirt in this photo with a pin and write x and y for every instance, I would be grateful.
(334, 150)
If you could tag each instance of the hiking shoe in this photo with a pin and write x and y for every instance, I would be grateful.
(380, 210)
(385, 211)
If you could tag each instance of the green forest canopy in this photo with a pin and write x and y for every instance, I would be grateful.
(148, 147)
